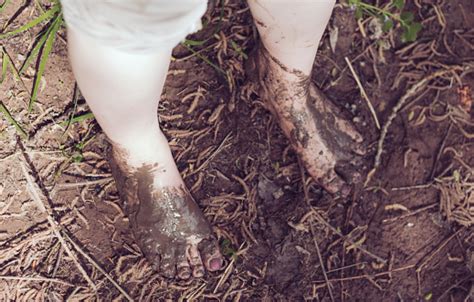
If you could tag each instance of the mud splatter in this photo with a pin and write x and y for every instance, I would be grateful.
(162, 219)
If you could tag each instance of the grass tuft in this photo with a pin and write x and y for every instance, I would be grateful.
(42, 47)
(43, 17)
(46, 50)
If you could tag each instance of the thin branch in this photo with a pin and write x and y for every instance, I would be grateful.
(363, 93)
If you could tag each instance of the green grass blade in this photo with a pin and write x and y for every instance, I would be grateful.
(79, 118)
(189, 42)
(12, 65)
(3, 5)
(35, 51)
(238, 49)
(44, 59)
(5, 63)
(75, 97)
(12, 121)
(205, 59)
(46, 16)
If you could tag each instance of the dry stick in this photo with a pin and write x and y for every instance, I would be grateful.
(96, 265)
(364, 94)
(364, 276)
(430, 206)
(56, 229)
(440, 151)
(415, 187)
(328, 285)
(429, 257)
(84, 183)
(36, 279)
(221, 147)
(363, 250)
(411, 92)
(303, 180)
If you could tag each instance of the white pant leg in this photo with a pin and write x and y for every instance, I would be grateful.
(138, 26)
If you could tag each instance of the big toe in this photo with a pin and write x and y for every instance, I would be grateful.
(211, 254)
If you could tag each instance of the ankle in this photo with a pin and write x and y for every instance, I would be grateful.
(141, 150)
(153, 154)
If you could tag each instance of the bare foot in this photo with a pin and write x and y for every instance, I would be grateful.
(168, 225)
(328, 145)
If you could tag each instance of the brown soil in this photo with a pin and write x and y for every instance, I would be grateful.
(403, 237)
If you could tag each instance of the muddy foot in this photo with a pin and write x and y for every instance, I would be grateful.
(328, 145)
(168, 225)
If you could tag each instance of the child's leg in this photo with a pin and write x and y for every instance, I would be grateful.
(290, 32)
(123, 89)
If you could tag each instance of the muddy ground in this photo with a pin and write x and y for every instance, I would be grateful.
(406, 235)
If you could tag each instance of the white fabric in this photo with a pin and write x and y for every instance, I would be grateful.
(137, 26)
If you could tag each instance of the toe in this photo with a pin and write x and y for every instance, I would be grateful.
(211, 254)
(183, 269)
(349, 172)
(334, 184)
(194, 259)
(168, 264)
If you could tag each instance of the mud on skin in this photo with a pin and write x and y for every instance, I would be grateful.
(325, 142)
(167, 224)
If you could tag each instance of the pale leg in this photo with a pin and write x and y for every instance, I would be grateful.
(123, 89)
(290, 32)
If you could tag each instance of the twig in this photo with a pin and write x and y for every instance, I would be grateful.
(364, 276)
(415, 187)
(363, 93)
(225, 275)
(97, 266)
(428, 258)
(440, 150)
(12, 155)
(221, 147)
(321, 262)
(84, 183)
(303, 180)
(455, 286)
(357, 246)
(55, 227)
(430, 206)
(411, 92)
(41, 279)
(424, 261)
(230, 267)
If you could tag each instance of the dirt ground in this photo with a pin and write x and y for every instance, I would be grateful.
(405, 235)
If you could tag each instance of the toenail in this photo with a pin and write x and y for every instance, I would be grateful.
(185, 274)
(199, 272)
(215, 264)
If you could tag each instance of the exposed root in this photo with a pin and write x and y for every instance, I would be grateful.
(383, 134)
